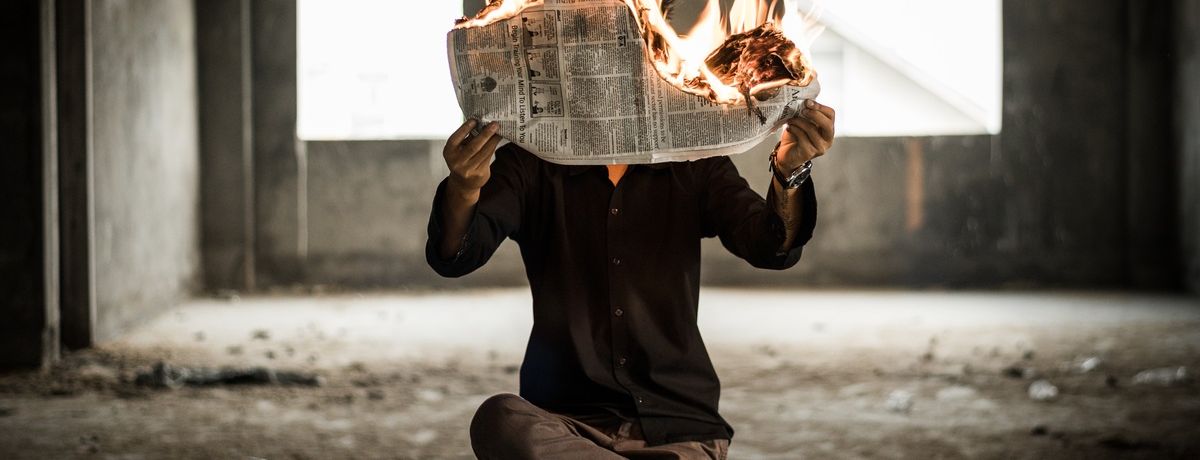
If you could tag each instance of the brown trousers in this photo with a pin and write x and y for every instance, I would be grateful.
(507, 426)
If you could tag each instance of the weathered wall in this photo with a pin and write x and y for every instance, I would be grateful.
(28, 276)
(146, 170)
(1187, 122)
(368, 205)
(1073, 192)
(894, 211)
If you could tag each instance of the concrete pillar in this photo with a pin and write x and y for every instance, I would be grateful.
(145, 140)
(1063, 142)
(1150, 216)
(280, 220)
(28, 183)
(75, 160)
(470, 7)
(1187, 129)
(226, 144)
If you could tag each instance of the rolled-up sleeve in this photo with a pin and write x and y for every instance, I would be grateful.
(746, 224)
(496, 216)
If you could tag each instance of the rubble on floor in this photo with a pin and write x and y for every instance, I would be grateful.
(164, 375)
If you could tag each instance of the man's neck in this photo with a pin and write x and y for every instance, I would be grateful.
(615, 172)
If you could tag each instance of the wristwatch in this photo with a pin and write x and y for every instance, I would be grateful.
(796, 178)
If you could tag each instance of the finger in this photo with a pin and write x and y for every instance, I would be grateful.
(804, 143)
(484, 136)
(827, 110)
(461, 133)
(822, 122)
(814, 137)
(821, 138)
(484, 156)
(818, 139)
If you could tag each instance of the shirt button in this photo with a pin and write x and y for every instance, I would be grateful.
(640, 400)
(620, 362)
(614, 211)
(618, 312)
(616, 261)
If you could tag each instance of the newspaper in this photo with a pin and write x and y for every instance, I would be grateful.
(571, 82)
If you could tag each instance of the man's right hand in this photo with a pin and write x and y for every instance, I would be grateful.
(470, 157)
(470, 161)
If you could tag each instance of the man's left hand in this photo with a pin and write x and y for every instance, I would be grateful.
(807, 136)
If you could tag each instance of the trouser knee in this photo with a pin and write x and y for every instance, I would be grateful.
(492, 428)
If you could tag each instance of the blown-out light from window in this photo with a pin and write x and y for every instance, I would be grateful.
(911, 68)
(375, 69)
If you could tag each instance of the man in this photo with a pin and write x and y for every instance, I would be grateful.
(615, 366)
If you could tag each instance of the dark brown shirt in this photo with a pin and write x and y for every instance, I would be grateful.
(615, 275)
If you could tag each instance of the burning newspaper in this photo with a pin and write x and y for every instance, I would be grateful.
(608, 81)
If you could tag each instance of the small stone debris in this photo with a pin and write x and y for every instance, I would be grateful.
(164, 375)
(1088, 364)
(1164, 376)
(900, 401)
(1028, 355)
(376, 395)
(511, 369)
(956, 393)
(88, 444)
(430, 395)
(234, 350)
(1038, 430)
(1111, 381)
(1019, 372)
(260, 334)
(1042, 390)
(768, 350)
(1118, 442)
(62, 390)
(97, 374)
(423, 437)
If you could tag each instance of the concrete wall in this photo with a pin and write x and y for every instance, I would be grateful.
(28, 268)
(1187, 122)
(1071, 193)
(146, 160)
(1063, 136)
(368, 204)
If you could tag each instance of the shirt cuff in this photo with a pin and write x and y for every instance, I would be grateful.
(437, 233)
(805, 223)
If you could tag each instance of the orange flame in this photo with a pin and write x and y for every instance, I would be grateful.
(727, 59)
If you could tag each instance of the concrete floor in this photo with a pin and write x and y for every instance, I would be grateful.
(806, 374)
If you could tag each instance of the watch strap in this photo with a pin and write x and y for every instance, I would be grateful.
(793, 180)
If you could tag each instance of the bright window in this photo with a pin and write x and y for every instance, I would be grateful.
(375, 69)
(917, 67)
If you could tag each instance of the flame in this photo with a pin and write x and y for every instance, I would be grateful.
(727, 59)
(495, 11)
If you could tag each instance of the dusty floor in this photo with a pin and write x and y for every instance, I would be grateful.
(805, 375)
